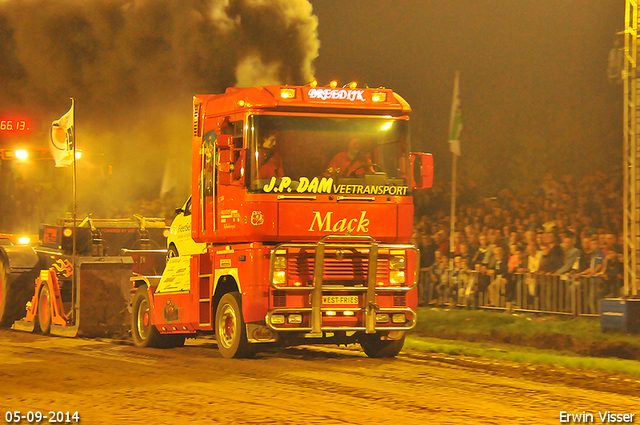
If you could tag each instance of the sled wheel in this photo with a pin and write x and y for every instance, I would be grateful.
(230, 329)
(375, 347)
(14, 294)
(44, 310)
(143, 332)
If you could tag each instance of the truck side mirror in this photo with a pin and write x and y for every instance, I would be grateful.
(422, 168)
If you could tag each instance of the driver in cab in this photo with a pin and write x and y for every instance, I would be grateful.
(269, 160)
(353, 162)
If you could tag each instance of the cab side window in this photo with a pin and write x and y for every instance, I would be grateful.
(235, 129)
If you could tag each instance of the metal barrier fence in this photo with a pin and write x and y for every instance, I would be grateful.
(518, 292)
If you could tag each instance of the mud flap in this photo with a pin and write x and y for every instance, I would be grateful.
(102, 296)
(102, 293)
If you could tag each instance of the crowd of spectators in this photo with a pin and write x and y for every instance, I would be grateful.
(562, 226)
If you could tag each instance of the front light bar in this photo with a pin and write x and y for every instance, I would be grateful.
(332, 242)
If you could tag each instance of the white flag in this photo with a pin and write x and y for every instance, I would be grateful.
(455, 122)
(62, 138)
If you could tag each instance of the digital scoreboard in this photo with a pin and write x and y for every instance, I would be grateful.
(14, 125)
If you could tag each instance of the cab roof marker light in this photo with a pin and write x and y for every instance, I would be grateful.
(333, 84)
(313, 84)
(288, 93)
(353, 85)
(379, 96)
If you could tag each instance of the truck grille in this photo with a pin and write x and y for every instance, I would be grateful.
(346, 268)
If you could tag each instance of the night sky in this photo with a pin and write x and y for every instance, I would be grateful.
(533, 77)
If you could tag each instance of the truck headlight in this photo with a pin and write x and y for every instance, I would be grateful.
(396, 277)
(279, 276)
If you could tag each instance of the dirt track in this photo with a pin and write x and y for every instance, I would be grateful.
(110, 383)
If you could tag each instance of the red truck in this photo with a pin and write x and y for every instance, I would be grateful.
(301, 203)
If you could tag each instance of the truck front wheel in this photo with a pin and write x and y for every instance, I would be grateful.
(230, 328)
(375, 347)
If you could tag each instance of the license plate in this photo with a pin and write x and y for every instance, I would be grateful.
(340, 299)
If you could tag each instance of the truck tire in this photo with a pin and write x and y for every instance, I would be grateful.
(172, 252)
(375, 347)
(143, 333)
(230, 329)
(44, 310)
(14, 295)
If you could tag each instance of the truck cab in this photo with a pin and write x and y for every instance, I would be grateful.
(301, 197)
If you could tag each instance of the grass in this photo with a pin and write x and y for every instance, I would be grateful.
(523, 355)
(460, 321)
(561, 340)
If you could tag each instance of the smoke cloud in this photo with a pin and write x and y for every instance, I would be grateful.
(133, 67)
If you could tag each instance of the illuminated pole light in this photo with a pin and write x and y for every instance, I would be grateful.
(22, 154)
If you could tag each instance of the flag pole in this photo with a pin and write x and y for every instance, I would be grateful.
(455, 126)
(74, 190)
(453, 208)
(74, 178)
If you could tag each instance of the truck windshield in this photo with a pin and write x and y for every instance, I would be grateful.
(303, 154)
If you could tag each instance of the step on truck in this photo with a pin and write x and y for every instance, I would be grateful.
(300, 216)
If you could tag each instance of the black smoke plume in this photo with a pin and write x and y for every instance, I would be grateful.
(133, 66)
